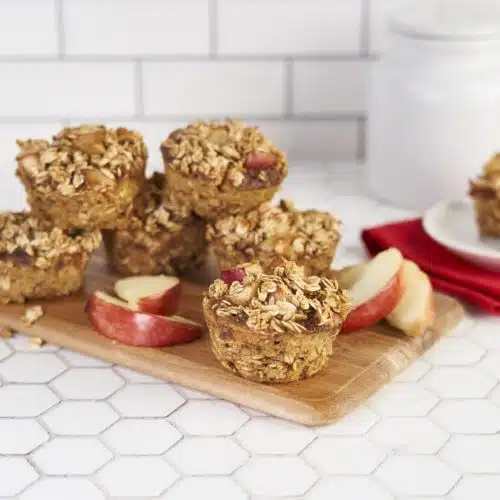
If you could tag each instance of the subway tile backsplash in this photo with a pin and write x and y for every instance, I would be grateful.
(298, 68)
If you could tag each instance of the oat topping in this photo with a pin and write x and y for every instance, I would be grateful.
(79, 157)
(36, 342)
(488, 183)
(24, 236)
(284, 300)
(6, 333)
(32, 314)
(281, 229)
(223, 152)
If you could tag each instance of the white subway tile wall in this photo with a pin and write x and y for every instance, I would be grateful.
(297, 68)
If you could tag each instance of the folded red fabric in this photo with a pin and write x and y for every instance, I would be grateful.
(448, 272)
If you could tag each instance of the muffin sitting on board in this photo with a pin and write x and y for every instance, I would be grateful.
(88, 177)
(485, 191)
(221, 168)
(39, 261)
(274, 326)
(308, 237)
(159, 239)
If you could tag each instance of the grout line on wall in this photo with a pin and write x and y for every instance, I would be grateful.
(139, 96)
(61, 37)
(361, 139)
(288, 94)
(365, 28)
(213, 28)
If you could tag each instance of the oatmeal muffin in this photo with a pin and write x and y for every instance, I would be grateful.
(277, 326)
(160, 239)
(39, 261)
(221, 168)
(308, 237)
(485, 191)
(88, 177)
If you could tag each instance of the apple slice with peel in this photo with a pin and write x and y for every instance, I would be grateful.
(116, 320)
(415, 311)
(374, 289)
(150, 294)
(234, 274)
(261, 160)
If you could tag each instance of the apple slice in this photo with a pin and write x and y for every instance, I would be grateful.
(374, 289)
(116, 320)
(415, 311)
(260, 160)
(234, 274)
(150, 294)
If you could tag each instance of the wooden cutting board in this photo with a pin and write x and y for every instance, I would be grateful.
(363, 361)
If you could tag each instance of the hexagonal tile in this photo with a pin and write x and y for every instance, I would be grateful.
(20, 436)
(205, 456)
(344, 455)
(480, 487)
(348, 488)
(473, 454)
(472, 416)
(80, 418)
(77, 359)
(273, 436)
(191, 488)
(134, 436)
(4, 350)
(463, 328)
(25, 400)
(454, 351)
(71, 456)
(146, 400)
(21, 342)
(220, 418)
(457, 382)
(136, 377)
(491, 364)
(485, 333)
(87, 383)
(17, 473)
(30, 367)
(355, 423)
(403, 400)
(433, 477)
(59, 488)
(414, 372)
(278, 476)
(407, 434)
(136, 477)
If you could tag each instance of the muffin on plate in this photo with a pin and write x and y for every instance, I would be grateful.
(88, 177)
(221, 168)
(485, 192)
(160, 239)
(274, 326)
(40, 261)
(307, 237)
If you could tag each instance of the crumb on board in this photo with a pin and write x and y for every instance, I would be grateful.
(36, 342)
(6, 333)
(31, 314)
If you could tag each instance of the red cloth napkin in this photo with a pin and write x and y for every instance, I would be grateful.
(448, 273)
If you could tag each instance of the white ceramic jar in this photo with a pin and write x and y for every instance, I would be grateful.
(434, 105)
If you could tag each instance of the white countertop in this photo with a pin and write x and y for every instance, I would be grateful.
(73, 427)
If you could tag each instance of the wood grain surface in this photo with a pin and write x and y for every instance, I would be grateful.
(363, 361)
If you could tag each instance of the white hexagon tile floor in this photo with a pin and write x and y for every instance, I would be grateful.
(76, 428)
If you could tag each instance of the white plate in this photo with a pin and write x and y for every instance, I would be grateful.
(452, 224)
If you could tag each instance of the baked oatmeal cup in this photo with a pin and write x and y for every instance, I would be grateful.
(277, 326)
(221, 168)
(88, 177)
(485, 193)
(161, 239)
(308, 237)
(39, 261)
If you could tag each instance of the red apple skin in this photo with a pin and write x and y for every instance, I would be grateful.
(165, 303)
(259, 160)
(138, 328)
(230, 275)
(376, 309)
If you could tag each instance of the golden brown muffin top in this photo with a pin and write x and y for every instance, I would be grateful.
(281, 229)
(282, 299)
(487, 185)
(25, 238)
(155, 214)
(229, 153)
(88, 156)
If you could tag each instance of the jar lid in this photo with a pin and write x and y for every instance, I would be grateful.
(447, 19)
